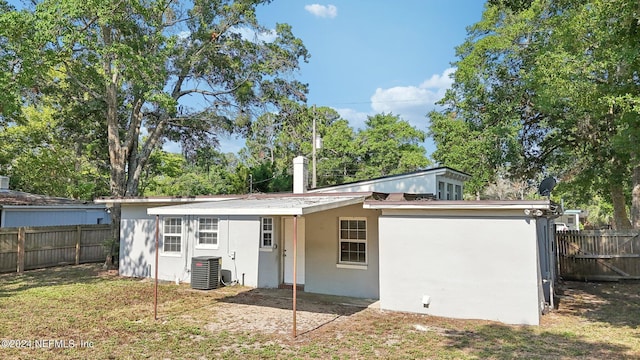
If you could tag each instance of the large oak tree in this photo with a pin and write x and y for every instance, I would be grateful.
(150, 71)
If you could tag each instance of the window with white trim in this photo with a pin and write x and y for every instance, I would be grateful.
(208, 231)
(449, 191)
(266, 233)
(353, 241)
(172, 235)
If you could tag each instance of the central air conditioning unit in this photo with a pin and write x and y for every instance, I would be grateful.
(205, 272)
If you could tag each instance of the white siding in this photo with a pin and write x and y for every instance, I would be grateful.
(469, 267)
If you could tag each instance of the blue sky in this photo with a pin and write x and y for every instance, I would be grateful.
(375, 56)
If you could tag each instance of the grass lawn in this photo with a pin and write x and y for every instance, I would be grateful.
(81, 312)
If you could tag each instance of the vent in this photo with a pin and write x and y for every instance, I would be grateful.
(205, 272)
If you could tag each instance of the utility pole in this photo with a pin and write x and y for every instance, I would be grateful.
(313, 151)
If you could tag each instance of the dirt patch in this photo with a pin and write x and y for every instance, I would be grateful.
(270, 311)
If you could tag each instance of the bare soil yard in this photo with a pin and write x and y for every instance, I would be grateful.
(82, 312)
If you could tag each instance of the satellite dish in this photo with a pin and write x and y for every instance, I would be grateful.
(546, 186)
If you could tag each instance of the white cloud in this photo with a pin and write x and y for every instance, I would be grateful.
(412, 102)
(356, 118)
(328, 11)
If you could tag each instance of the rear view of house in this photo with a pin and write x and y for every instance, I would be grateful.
(408, 240)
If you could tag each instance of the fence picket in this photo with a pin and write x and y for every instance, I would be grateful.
(37, 247)
(598, 255)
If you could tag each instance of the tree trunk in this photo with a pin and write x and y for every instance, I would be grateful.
(635, 198)
(620, 217)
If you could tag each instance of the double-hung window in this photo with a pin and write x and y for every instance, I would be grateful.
(266, 233)
(172, 235)
(208, 232)
(353, 241)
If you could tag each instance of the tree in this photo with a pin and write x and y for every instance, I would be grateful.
(389, 145)
(158, 67)
(41, 160)
(275, 139)
(554, 84)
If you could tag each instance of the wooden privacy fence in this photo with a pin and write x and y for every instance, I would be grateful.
(608, 255)
(28, 248)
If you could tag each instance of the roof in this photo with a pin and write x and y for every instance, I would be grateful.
(443, 170)
(524, 205)
(12, 198)
(263, 205)
(165, 199)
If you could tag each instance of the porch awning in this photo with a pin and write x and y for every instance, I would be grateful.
(293, 205)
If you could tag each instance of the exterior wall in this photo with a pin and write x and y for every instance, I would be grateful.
(479, 267)
(419, 184)
(237, 247)
(323, 274)
(137, 242)
(53, 216)
(238, 243)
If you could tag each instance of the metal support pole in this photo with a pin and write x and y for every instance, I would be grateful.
(295, 275)
(155, 286)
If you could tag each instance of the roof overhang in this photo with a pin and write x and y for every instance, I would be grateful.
(293, 205)
(545, 206)
(55, 207)
(165, 199)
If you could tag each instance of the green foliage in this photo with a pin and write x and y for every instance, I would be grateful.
(129, 67)
(547, 88)
(387, 145)
(39, 160)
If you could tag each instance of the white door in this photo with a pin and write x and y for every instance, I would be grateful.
(287, 251)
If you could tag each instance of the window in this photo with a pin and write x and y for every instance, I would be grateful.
(449, 191)
(208, 231)
(172, 235)
(440, 190)
(353, 240)
(266, 236)
(458, 192)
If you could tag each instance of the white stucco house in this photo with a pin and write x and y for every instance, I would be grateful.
(18, 209)
(390, 239)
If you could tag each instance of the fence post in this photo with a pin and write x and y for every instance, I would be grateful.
(78, 238)
(21, 241)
